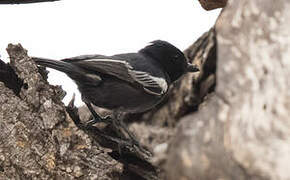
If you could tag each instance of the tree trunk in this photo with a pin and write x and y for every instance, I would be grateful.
(242, 130)
(229, 121)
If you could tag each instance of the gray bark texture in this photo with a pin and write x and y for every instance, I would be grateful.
(242, 130)
(254, 50)
(36, 140)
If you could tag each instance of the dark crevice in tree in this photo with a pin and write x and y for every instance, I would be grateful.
(9, 78)
(203, 52)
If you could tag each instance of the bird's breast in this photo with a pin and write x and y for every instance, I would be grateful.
(112, 93)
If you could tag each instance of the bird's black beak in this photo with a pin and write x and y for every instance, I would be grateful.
(192, 68)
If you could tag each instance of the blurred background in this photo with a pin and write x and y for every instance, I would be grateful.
(71, 28)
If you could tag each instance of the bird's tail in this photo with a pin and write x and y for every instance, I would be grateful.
(65, 67)
(74, 72)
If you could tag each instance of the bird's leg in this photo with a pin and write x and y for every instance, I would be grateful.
(96, 117)
(117, 123)
(94, 131)
(119, 126)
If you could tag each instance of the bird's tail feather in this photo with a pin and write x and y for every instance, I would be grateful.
(57, 65)
(74, 72)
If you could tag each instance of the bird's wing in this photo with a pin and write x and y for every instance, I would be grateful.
(84, 57)
(124, 71)
(151, 84)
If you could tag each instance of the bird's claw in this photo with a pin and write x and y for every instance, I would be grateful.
(118, 126)
(107, 119)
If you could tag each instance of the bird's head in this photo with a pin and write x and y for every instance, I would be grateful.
(170, 58)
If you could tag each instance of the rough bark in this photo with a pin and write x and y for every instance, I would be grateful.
(36, 140)
(254, 50)
(197, 150)
(212, 4)
(242, 130)
(24, 1)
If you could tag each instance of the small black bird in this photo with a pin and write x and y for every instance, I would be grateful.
(133, 82)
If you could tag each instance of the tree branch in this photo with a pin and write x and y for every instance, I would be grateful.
(24, 1)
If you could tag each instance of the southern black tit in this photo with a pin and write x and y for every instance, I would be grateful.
(132, 82)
